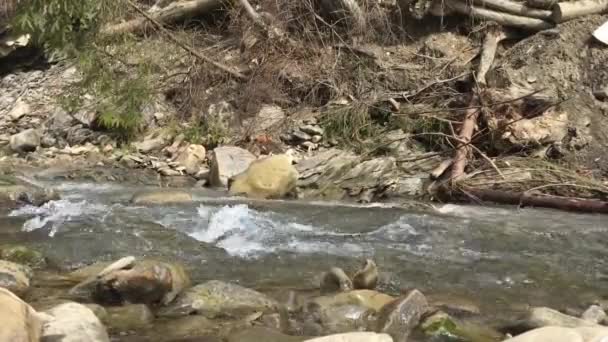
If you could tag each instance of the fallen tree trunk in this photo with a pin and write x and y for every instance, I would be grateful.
(505, 19)
(564, 11)
(175, 12)
(542, 4)
(524, 199)
(515, 8)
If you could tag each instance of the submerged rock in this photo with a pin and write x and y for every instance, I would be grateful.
(15, 277)
(368, 299)
(262, 334)
(401, 316)
(441, 327)
(354, 337)
(22, 255)
(226, 162)
(563, 334)
(270, 177)
(19, 321)
(161, 197)
(128, 317)
(15, 192)
(73, 322)
(215, 298)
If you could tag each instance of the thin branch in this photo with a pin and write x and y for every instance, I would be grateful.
(189, 49)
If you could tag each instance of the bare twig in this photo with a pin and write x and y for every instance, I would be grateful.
(189, 49)
(494, 36)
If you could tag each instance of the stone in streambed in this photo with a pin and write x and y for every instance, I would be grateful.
(226, 162)
(262, 334)
(15, 277)
(368, 299)
(270, 177)
(161, 197)
(594, 314)
(19, 322)
(128, 317)
(402, 315)
(22, 255)
(26, 141)
(541, 317)
(354, 337)
(563, 334)
(335, 280)
(73, 322)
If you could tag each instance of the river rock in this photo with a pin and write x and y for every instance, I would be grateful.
(262, 334)
(344, 318)
(26, 141)
(216, 298)
(22, 255)
(401, 316)
(368, 299)
(73, 322)
(354, 337)
(15, 192)
(128, 317)
(19, 321)
(563, 334)
(149, 282)
(270, 177)
(542, 317)
(335, 280)
(192, 158)
(20, 109)
(161, 197)
(15, 277)
(226, 162)
(594, 314)
(152, 143)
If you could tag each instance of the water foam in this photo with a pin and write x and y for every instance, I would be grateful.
(57, 213)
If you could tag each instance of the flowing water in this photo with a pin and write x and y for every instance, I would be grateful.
(499, 257)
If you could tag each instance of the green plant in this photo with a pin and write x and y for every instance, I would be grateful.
(69, 28)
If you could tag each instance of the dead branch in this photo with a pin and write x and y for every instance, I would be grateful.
(563, 11)
(177, 11)
(515, 8)
(494, 36)
(252, 13)
(189, 49)
(505, 19)
(525, 199)
(463, 148)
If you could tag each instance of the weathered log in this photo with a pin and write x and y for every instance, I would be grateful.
(441, 168)
(175, 12)
(463, 149)
(524, 199)
(541, 4)
(515, 8)
(505, 19)
(494, 36)
(564, 11)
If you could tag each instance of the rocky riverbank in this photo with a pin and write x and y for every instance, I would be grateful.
(141, 299)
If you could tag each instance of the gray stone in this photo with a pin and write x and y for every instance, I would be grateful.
(161, 197)
(192, 158)
(312, 130)
(401, 316)
(594, 314)
(22, 255)
(542, 317)
(26, 141)
(151, 145)
(73, 322)
(19, 110)
(15, 277)
(316, 138)
(267, 117)
(309, 145)
(202, 174)
(344, 318)
(226, 162)
(169, 172)
(215, 298)
(354, 337)
(563, 334)
(300, 136)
